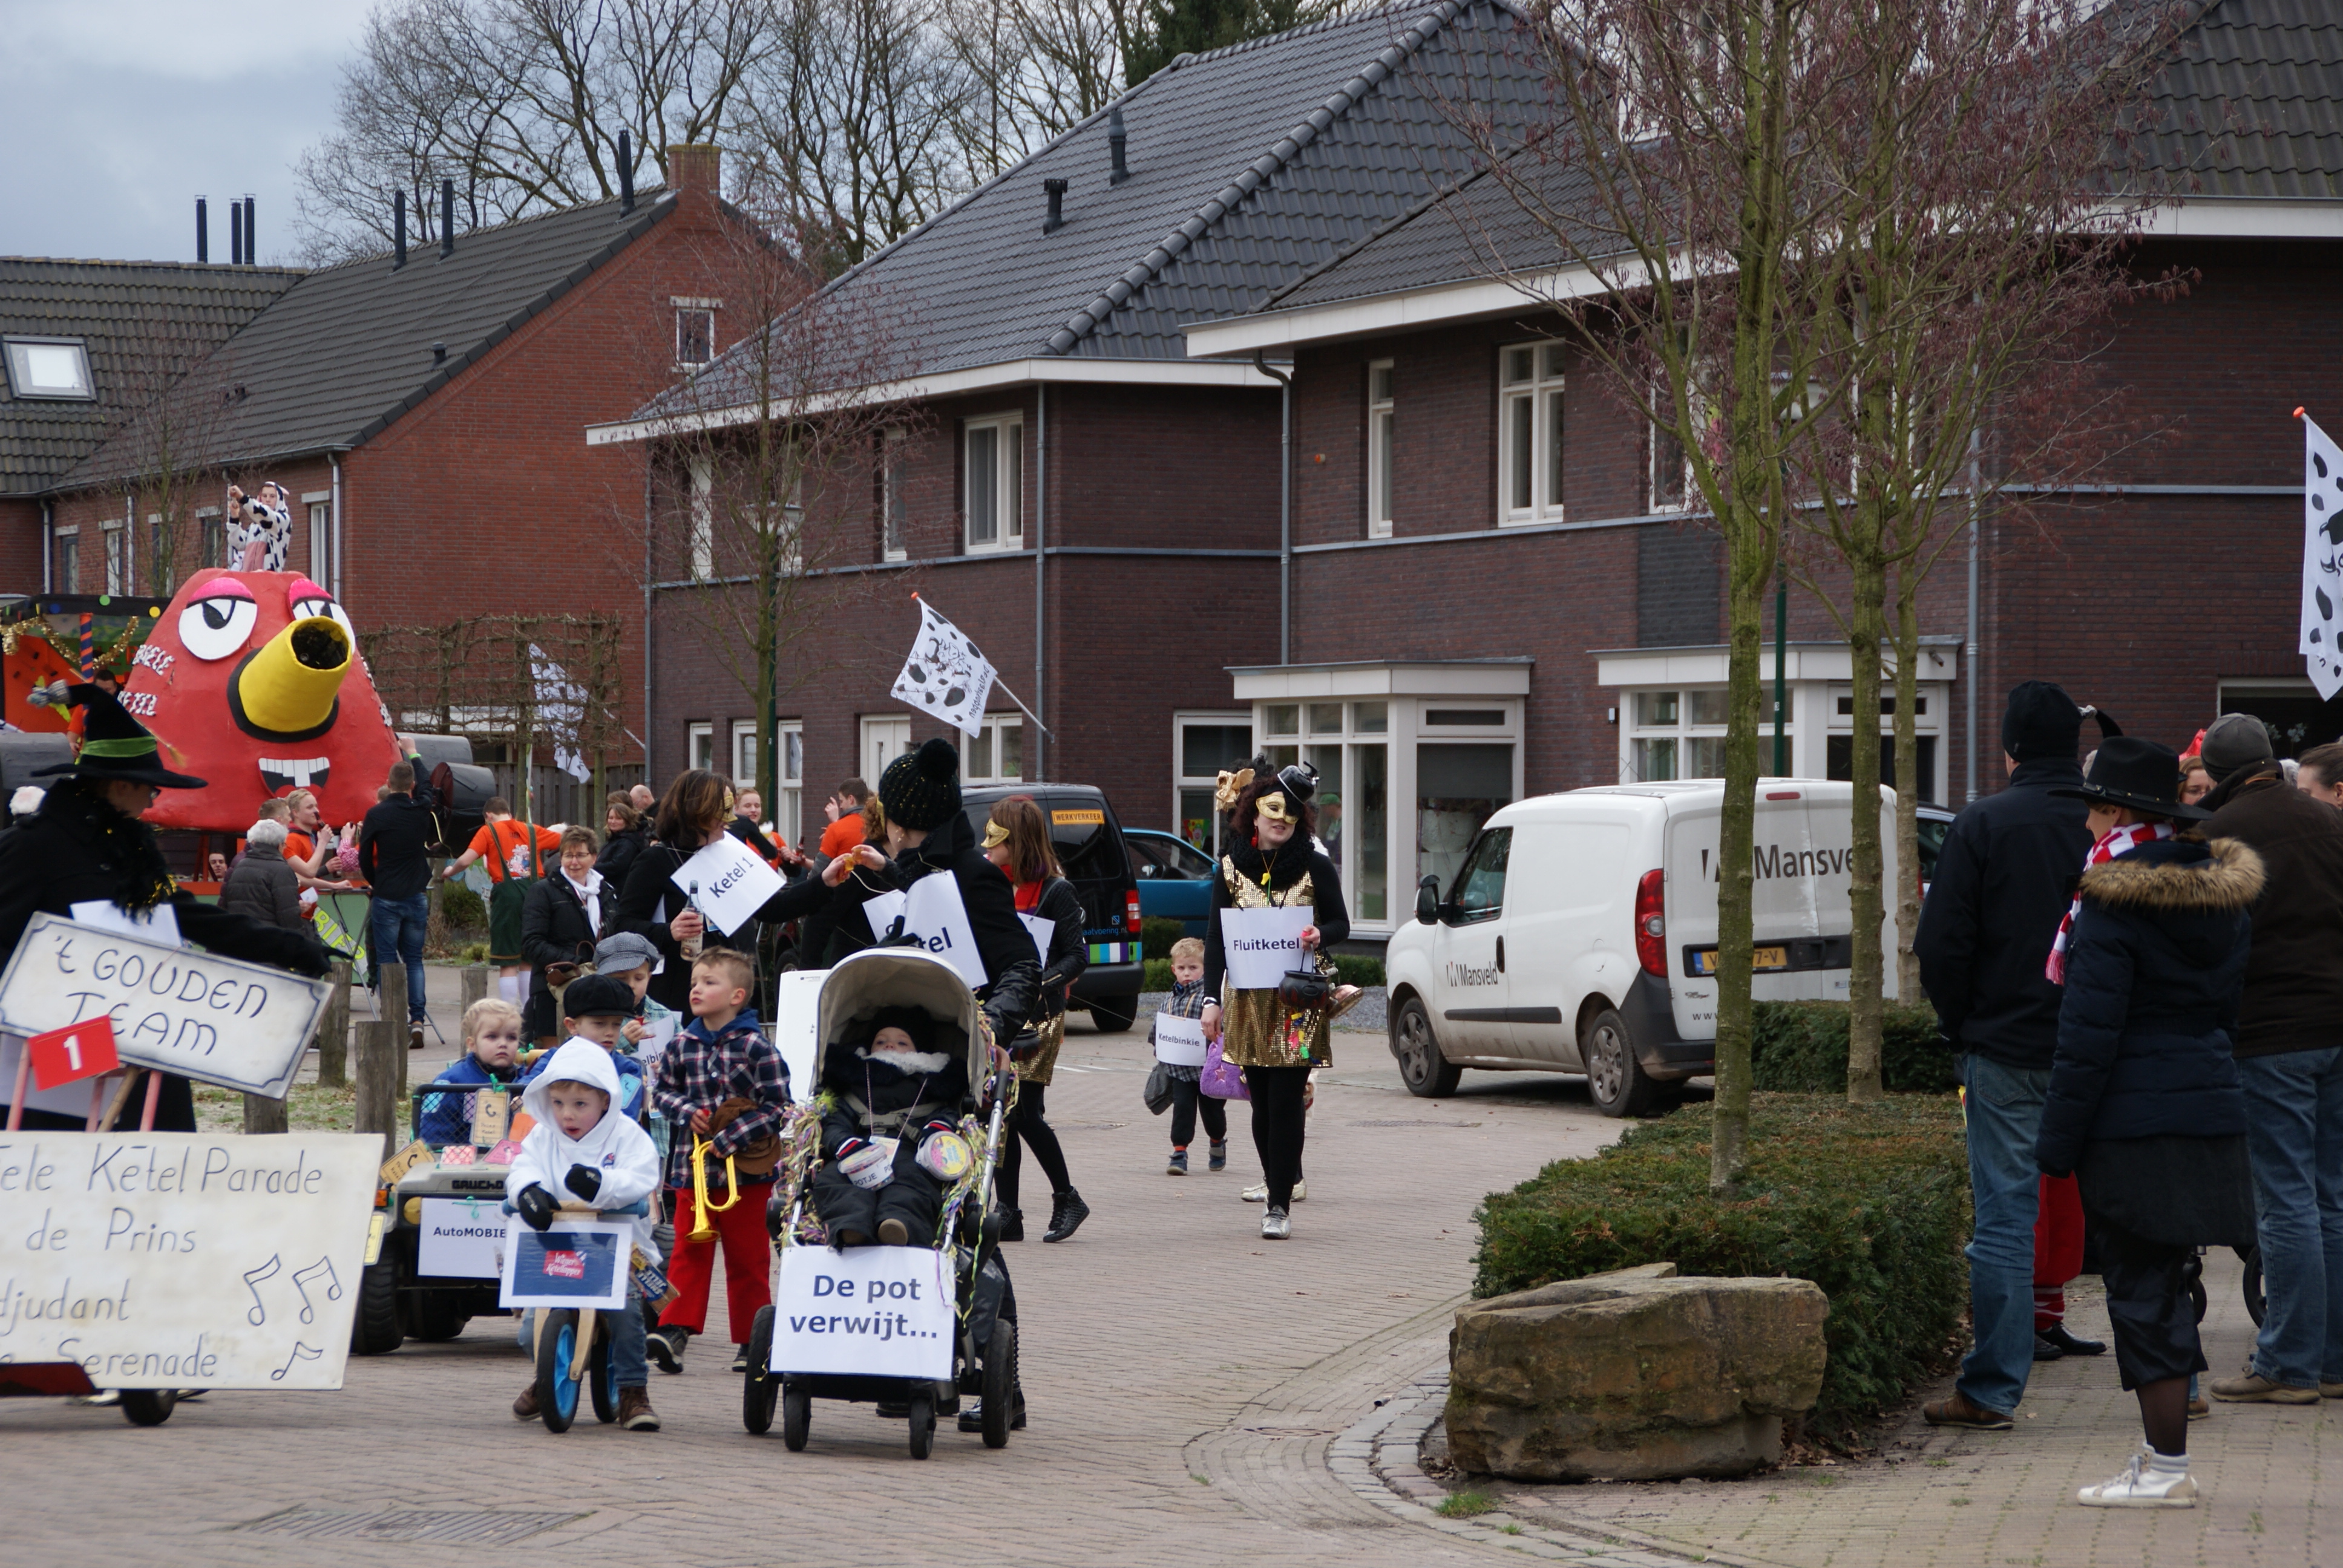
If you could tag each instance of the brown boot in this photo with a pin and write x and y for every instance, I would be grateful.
(525, 1407)
(634, 1412)
(1961, 1411)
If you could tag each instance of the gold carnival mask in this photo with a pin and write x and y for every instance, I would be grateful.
(995, 835)
(1275, 807)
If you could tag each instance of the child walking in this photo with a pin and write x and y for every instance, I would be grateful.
(1188, 1097)
(721, 1081)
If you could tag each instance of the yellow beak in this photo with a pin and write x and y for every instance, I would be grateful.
(287, 689)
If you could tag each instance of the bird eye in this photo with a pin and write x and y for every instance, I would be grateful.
(216, 626)
(307, 607)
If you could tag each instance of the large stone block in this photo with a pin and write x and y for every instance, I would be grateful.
(1634, 1375)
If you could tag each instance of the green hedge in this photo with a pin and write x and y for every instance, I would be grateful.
(1157, 934)
(1355, 968)
(1800, 1048)
(1870, 1202)
(462, 908)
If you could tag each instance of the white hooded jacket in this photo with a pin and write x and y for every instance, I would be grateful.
(615, 1147)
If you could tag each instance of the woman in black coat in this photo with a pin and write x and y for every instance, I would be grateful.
(2145, 1103)
(1017, 839)
(625, 836)
(566, 913)
(86, 844)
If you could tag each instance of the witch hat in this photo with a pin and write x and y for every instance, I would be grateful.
(114, 745)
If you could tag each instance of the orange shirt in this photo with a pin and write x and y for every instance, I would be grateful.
(503, 846)
(842, 836)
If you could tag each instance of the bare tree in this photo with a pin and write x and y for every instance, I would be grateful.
(179, 394)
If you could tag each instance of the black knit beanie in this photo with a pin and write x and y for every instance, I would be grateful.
(921, 789)
(2041, 720)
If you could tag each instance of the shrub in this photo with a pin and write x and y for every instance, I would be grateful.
(1157, 934)
(1359, 970)
(1870, 1202)
(462, 908)
(1800, 1048)
(1157, 975)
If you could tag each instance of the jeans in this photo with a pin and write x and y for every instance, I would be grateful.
(395, 932)
(2004, 1113)
(2294, 1132)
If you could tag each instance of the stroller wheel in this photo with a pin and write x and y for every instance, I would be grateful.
(758, 1389)
(923, 1423)
(797, 1417)
(999, 1385)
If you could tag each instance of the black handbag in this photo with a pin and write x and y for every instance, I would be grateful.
(1304, 990)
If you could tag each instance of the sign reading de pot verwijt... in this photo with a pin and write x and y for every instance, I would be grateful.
(218, 1019)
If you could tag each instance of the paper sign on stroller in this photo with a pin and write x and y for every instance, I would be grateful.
(1261, 945)
(934, 915)
(874, 1311)
(1179, 1040)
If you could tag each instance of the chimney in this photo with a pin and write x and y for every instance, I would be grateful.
(1114, 142)
(251, 237)
(1056, 218)
(696, 167)
(203, 231)
(626, 173)
(438, 354)
(446, 220)
(397, 230)
(235, 233)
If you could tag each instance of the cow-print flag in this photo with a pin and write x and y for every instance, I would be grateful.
(945, 676)
(2322, 558)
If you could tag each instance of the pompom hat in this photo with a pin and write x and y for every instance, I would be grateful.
(920, 790)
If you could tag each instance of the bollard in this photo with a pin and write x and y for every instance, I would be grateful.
(334, 1031)
(262, 1114)
(475, 986)
(382, 1065)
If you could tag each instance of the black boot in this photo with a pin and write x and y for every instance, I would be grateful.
(2069, 1344)
(1012, 1225)
(1067, 1212)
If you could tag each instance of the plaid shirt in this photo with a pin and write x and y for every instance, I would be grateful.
(1186, 1001)
(699, 1072)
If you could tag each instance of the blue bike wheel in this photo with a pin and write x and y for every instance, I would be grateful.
(557, 1388)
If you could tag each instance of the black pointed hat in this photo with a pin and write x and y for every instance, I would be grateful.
(114, 745)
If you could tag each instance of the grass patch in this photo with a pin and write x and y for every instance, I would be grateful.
(1800, 1048)
(1870, 1202)
(309, 1109)
(1464, 1505)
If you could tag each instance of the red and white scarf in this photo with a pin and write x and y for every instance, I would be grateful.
(2113, 843)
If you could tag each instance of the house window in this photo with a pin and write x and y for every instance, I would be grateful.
(703, 519)
(1382, 430)
(158, 553)
(67, 547)
(694, 335)
(884, 739)
(50, 368)
(1347, 743)
(215, 537)
(700, 746)
(996, 482)
(321, 522)
(1530, 429)
(1680, 733)
(744, 753)
(117, 563)
(1668, 484)
(893, 506)
(789, 812)
(994, 754)
(1204, 746)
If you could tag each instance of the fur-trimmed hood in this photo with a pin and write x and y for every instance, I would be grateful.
(2226, 875)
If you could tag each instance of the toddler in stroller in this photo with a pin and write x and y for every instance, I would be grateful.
(889, 1139)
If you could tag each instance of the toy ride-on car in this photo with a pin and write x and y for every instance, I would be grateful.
(909, 1328)
(436, 1266)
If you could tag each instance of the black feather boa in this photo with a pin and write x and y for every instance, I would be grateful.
(1289, 864)
(80, 806)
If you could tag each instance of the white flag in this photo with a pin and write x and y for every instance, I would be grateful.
(945, 676)
(560, 710)
(2322, 558)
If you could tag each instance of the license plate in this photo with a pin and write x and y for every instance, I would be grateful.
(1704, 960)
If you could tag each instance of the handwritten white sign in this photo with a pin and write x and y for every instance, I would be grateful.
(218, 1019)
(1261, 945)
(461, 1239)
(932, 914)
(880, 1311)
(734, 884)
(1043, 932)
(572, 1264)
(177, 1260)
(1179, 1040)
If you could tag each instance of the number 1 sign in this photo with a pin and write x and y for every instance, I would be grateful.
(78, 1051)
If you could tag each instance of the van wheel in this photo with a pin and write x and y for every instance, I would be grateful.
(1421, 1068)
(1618, 1085)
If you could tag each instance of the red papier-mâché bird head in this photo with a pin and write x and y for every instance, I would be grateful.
(253, 682)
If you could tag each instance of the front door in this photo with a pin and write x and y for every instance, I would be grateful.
(1475, 1017)
(883, 740)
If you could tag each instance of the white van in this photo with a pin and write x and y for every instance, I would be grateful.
(1580, 935)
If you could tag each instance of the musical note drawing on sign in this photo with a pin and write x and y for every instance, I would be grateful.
(302, 1278)
(301, 1353)
(258, 1314)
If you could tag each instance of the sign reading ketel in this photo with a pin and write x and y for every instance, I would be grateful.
(219, 1019)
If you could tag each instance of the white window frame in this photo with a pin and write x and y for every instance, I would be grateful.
(707, 312)
(1685, 729)
(702, 524)
(1536, 398)
(744, 753)
(883, 738)
(117, 557)
(789, 812)
(1656, 440)
(980, 754)
(700, 745)
(23, 383)
(321, 532)
(1382, 435)
(894, 507)
(211, 530)
(65, 549)
(1008, 482)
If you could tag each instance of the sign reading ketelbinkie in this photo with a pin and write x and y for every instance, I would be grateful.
(218, 1019)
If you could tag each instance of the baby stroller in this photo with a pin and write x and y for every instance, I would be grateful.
(912, 1327)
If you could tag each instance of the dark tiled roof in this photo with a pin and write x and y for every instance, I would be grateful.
(2252, 105)
(141, 319)
(348, 348)
(1248, 164)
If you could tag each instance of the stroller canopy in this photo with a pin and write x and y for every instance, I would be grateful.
(878, 978)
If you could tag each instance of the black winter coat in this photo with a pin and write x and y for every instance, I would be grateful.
(2294, 981)
(554, 929)
(1011, 991)
(2154, 964)
(941, 1092)
(2003, 880)
(619, 854)
(1069, 952)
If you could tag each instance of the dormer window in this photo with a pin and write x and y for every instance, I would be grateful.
(695, 331)
(50, 368)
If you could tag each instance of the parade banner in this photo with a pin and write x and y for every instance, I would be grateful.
(1180, 1042)
(172, 1259)
(1261, 945)
(574, 1264)
(217, 1019)
(879, 1312)
(733, 884)
(934, 915)
(461, 1239)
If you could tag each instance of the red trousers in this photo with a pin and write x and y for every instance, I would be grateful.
(2057, 1248)
(748, 1260)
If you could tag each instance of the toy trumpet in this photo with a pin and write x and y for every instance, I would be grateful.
(703, 1230)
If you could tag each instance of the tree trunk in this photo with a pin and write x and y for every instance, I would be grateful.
(334, 1031)
(1908, 788)
(262, 1114)
(382, 1065)
(1751, 571)
(1867, 971)
(474, 980)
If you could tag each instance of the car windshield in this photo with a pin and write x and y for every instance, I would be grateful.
(1167, 859)
(1930, 833)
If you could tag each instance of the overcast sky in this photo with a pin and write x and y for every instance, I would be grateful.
(122, 112)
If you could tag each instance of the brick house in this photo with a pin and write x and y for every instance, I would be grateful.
(1489, 569)
(1098, 509)
(423, 411)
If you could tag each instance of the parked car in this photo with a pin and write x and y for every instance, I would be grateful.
(1175, 877)
(1930, 825)
(1607, 901)
(1088, 842)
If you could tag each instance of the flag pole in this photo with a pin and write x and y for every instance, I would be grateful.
(1001, 686)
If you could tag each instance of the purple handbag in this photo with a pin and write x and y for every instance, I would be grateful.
(1219, 1080)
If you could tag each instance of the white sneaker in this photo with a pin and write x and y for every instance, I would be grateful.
(2140, 1487)
(1259, 1192)
(1275, 1226)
